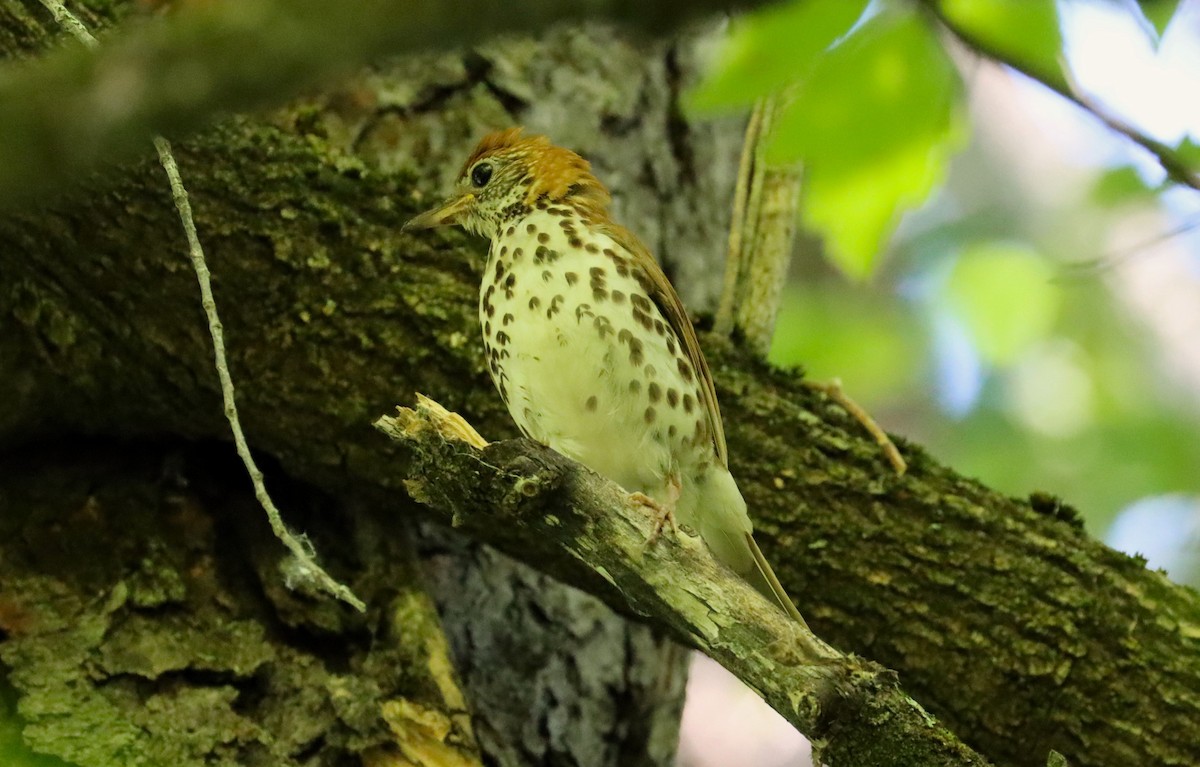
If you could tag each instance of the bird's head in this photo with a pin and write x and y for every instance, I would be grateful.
(507, 176)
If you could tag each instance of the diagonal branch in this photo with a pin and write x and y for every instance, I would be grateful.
(554, 514)
(1177, 168)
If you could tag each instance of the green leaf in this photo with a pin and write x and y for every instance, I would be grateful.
(770, 49)
(1189, 151)
(1119, 186)
(874, 125)
(1004, 295)
(1159, 13)
(1025, 33)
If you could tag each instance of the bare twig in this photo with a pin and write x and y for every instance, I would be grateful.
(763, 227)
(304, 567)
(761, 235)
(723, 323)
(833, 390)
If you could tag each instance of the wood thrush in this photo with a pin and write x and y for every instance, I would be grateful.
(590, 347)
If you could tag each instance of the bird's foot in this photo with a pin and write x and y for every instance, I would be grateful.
(663, 514)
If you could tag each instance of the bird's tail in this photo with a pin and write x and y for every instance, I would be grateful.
(763, 578)
(721, 518)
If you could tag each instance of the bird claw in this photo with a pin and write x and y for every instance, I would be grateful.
(663, 515)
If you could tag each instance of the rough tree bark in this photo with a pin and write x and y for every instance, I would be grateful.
(1002, 617)
(552, 676)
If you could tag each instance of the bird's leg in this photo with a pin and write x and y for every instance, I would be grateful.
(664, 512)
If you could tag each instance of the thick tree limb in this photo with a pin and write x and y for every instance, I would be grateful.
(73, 109)
(542, 508)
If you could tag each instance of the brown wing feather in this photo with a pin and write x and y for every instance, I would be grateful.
(667, 300)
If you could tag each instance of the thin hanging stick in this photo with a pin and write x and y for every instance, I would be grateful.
(304, 567)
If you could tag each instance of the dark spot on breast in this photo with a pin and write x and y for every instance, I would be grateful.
(671, 344)
(517, 253)
(650, 415)
(571, 277)
(672, 397)
(530, 229)
(660, 328)
(650, 372)
(542, 203)
(617, 296)
(685, 369)
(636, 356)
(489, 310)
(672, 431)
(655, 392)
(503, 250)
(511, 231)
(546, 275)
(487, 329)
(635, 386)
(599, 294)
(591, 247)
(624, 336)
(534, 302)
(596, 273)
(507, 319)
(643, 319)
(555, 306)
(543, 238)
(502, 338)
(688, 403)
(591, 403)
(583, 311)
(603, 326)
(574, 241)
(640, 302)
(499, 271)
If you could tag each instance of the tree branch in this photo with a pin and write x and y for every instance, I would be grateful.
(554, 514)
(73, 109)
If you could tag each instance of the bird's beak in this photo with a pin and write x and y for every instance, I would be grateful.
(443, 215)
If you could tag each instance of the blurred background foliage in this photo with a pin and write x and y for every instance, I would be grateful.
(987, 267)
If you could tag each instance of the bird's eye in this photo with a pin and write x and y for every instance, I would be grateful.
(481, 174)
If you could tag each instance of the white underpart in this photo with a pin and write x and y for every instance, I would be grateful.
(549, 367)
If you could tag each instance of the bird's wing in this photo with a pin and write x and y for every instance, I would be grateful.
(667, 301)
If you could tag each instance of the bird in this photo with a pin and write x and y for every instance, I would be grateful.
(591, 348)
